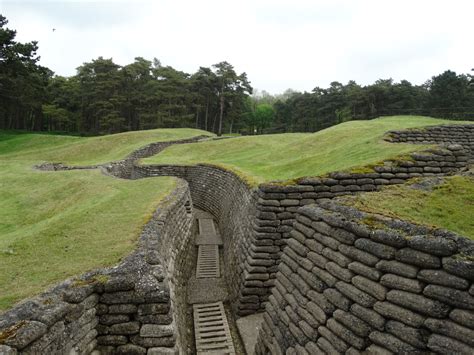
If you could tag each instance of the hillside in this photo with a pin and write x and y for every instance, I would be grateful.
(84, 151)
(57, 224)
(292, 155)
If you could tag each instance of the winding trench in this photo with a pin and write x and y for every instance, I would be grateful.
(215, 330)
(123, 168)
(240, 233)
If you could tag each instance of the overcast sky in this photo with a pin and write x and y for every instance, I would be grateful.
(298, 44)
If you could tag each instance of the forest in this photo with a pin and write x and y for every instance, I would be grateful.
(104, 97)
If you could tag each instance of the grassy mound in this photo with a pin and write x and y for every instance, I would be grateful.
(57, 224)
(449, 205)
(292, 155)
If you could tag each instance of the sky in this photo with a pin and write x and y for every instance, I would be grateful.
(297, 44)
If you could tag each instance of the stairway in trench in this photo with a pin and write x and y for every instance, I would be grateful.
(207, 291)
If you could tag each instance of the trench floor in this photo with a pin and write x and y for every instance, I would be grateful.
(215, 329)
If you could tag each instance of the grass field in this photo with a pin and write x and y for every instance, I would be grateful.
(449, 205)
(57, 224)
(287, 156)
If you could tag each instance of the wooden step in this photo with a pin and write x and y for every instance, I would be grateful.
(212, 337)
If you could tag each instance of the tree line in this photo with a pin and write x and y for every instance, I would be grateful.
(104, 97)
(447, 95)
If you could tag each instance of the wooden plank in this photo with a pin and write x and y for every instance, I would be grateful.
(208, 261)
(212, 337)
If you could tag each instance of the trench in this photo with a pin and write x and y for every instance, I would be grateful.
(212, 283)
(206, 304)
(234, 272)
(215, 190)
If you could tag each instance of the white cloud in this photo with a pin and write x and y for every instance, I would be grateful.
(280, 44)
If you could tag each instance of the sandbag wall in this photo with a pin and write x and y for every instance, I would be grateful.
(444, 134)
(232, 202)
(146, 307)
(277, 204)
(254, 239)
(135, 307)
(351, 282)
(124, 168)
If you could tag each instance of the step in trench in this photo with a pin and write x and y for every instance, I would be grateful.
(208, 261)
(211, 330)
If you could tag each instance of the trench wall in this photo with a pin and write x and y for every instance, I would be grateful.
(351, 282)
(256, 223)
(277, 204)
(136, 306)
(230, 201)
(444, 134)
(124, 168)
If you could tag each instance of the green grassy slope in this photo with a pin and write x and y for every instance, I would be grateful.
(286, 156)
(85, 151)
(57, 224)
(449, 205)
